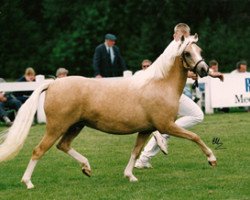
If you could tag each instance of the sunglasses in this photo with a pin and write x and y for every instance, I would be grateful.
(145, 66)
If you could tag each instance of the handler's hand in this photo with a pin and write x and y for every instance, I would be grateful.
(192, 75)
(216, 75)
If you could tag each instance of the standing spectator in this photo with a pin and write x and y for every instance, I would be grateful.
(8, 103)
(241, 67)
(107, 60)
(61, 72)
(29, 76)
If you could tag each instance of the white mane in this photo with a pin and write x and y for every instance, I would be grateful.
(162, 65)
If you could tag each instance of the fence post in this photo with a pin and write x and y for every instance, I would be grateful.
(41, 118)
(127, 73)
(208, 106)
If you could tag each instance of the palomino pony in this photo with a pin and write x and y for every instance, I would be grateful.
(142, 103)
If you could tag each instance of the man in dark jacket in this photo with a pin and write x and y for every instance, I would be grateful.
(107, 61)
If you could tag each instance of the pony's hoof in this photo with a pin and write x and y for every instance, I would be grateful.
(212, 163)
(28, 184)
(86, 171)
(131, 178)
(161, 142)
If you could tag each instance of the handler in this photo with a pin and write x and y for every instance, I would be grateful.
(189, 112)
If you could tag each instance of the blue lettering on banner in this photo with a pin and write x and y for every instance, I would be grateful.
(247, 81)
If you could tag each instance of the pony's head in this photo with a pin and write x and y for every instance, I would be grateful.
(191, 56)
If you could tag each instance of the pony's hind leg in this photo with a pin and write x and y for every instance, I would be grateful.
(140, 141)
(64, 145)
(45, 144)
(175, 130)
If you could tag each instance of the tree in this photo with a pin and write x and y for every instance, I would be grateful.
(48, 34)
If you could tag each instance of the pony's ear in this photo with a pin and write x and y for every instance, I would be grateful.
(182, 38)
(196, 36)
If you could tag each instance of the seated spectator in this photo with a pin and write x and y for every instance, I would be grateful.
(61, 72)
(144, 65)
(213, 66)
(8, 103)
(241, 67)
(29, 76)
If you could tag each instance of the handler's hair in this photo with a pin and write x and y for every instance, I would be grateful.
(183, 28)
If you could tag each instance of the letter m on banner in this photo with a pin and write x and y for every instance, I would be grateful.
(247, 81)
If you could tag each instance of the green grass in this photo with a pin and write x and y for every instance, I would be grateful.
(183, 174)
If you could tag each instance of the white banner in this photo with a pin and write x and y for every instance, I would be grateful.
(233, 92)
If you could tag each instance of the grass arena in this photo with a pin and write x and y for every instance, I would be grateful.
(182, 174)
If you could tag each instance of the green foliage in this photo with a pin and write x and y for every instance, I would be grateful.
(48, 34)
(183, 174)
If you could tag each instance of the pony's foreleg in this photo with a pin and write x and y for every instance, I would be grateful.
(175, 130)
(64, 145)
(140, 141)
(82, 160)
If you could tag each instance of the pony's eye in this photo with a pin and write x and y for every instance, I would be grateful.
(187, 54)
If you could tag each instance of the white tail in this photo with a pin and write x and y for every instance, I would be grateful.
(18, 132)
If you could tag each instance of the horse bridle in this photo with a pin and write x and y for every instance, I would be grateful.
(193, 69)
(187, 65)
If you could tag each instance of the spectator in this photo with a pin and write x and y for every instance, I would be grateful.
(241, 67)
(61, 72)
(144, 65)
(8, 103)
(107, 60)
(213, 65)
(29, 76)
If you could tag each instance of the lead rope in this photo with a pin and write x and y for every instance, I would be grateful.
(195, 84)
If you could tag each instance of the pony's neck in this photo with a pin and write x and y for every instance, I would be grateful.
(164, 62)
(167, 66)
(177, 76)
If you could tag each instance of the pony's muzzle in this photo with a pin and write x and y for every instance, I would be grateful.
(202, 69)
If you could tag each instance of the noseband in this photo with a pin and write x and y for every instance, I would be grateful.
(188, 67)
(191, 68)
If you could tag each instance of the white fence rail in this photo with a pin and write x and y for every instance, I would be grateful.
(28, 86)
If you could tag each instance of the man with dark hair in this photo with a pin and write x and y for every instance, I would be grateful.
(107, 60)
(213, 65)
(241, 67)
